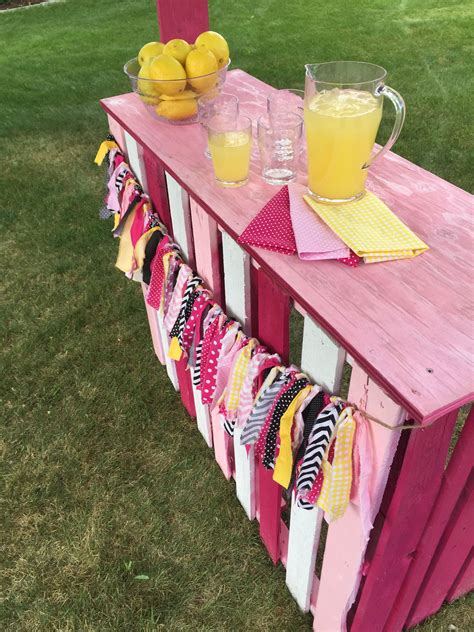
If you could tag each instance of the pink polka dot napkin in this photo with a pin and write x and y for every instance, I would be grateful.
(271, 228)
(314, 239)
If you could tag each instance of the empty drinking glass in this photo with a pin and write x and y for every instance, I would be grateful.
(211, 105)
(230, 143)
(285, 101)
(279, 141)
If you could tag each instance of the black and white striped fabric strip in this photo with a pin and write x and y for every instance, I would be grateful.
(260, 410)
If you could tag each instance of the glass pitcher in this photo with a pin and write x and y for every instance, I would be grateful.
(342, 114)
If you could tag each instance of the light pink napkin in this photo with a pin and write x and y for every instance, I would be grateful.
(314, 239)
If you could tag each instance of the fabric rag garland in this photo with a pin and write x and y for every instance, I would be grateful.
(297, 431)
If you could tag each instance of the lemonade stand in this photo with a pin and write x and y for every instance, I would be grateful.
(377, 320)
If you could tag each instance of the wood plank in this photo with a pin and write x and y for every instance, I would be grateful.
(322, 359)
(453, 483)
(203, 417)
(347, 538)
(394, 307)
(170, 364)
(223, 448)
(181, 218)
(414, 495)
(178, 200)
(236, 270)
(237, 282)
(153, 323)
(273, 331)
(156, 183)
(184, 19)
(135, 159)
(454, 550)
(303, 542)
(117, 132)
(206, 240)
(464, 582)
(185, 386)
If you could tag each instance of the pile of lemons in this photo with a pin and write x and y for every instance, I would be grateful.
(177, 70)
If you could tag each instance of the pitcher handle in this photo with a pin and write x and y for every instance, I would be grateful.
(399, 105)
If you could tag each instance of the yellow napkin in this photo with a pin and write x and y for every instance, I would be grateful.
(370, 229)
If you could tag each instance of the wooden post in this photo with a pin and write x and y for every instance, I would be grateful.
(273, 331)
(412, 500)
(434, 571)
(183, 18)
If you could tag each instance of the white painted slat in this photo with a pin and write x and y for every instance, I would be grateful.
(203, 418)
(348, 536)
(236, 281)
(170, 367)
(181, 218)
(135, 159)
(305, 529)
(237, 295)
(322, 360)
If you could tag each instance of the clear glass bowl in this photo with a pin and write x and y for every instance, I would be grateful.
(174, 101)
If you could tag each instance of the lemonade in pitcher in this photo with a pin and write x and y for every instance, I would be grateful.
(341, 126)
(342, 114)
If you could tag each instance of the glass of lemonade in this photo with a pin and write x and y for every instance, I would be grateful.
(342, 114)
(230, 142)
(210, 105)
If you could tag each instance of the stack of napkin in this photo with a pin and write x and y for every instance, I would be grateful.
(292, 222)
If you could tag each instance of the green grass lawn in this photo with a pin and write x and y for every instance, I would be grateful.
(105, 477)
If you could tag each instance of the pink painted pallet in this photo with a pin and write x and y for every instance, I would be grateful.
(394, 320)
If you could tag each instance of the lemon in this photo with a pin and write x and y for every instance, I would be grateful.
(177, 48)
(210, 40)
(152, 49)
(177, 110)
(170, 75)
(201, 62)
(147, 89)
(187, 94)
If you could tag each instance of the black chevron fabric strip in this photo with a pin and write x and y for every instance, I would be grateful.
(317, 444)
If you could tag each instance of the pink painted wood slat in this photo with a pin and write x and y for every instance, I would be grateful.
(454, 550)
(155, 177)
(415, 493)
(207, 250)
(273, 331)
(185, 386)
(223, 448)
(183, 18)
(464, 582)
(453, 483)
(389, 334)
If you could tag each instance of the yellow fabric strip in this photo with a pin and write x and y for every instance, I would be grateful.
(370, 229)
(238, 375)
(103, 150)
(336, 489)
(174, 351)
(125, 253)
(140, 246)
(284, 460)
